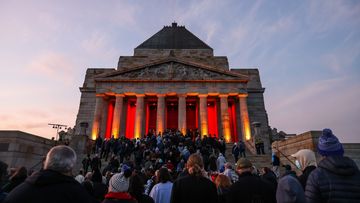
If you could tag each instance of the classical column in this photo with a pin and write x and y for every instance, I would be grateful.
(160, 114)
(244, 116)
(203, 115)
(97, 117)
(225, 118)
(117, 115)
(182, 113)
(139, 116)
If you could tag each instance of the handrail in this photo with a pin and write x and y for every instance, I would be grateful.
(291, 162)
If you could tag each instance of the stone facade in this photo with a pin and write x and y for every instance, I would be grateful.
(182, 70)
(23, 149)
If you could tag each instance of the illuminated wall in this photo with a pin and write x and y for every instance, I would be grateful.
(109, 119)
(130, 120)
(212, 119)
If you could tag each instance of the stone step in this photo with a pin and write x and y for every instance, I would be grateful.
(258, 161)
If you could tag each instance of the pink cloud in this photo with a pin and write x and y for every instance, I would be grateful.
(328, 103)
(53, 65)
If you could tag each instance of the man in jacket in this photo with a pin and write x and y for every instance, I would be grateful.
(53, 184)
(249, 187)
(337, 178)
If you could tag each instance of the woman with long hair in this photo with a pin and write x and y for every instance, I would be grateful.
(223, 184)
(195, 187)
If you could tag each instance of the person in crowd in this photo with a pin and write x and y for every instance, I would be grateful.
(136, 190)
(242, 149)
(337, 178)
(100, 189)
(269, 175)
(249, 187)
(80, 177)
(220, 162)
(3, 174)
(259, 145)
(86, 162)
(161, 192)
(288, 170)
(194, 187)
(98, 144)
(275, 161)
(16, 179)
(223, 184)
(212, 163)
(151, 181)
(289, 189)
(95, 163)
(118, 189)
(230, 173)
(53, 184)
(306, 162)
(235, 151)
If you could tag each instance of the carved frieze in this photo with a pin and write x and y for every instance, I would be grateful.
(174, 71)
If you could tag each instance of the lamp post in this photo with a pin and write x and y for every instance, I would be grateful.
(57, 127)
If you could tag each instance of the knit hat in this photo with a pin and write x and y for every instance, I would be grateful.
(329, 144)
(118, 183)
(243, 163)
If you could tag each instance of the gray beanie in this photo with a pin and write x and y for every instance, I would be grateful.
(118, 183)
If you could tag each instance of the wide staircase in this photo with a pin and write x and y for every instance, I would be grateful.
(258, 161)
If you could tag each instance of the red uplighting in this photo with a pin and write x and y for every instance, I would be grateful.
(130, 121)
(109, 120)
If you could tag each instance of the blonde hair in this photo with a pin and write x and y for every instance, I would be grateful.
(195, 165)
(222, 181)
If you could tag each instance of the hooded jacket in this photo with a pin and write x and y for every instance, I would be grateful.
(337, 179)
(307, 161)
(49, 186)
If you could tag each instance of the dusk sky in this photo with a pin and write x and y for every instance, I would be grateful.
(308, 54)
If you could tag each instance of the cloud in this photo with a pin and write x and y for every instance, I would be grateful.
(327, 103)
(98, 45)
(302, 96)
(54, 66)
(324, 16)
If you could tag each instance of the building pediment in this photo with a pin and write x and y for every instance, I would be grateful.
(172, 70)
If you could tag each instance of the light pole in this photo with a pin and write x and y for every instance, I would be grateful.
(57, 126)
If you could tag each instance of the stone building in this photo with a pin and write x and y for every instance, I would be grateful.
(173, 81)
(19, 148)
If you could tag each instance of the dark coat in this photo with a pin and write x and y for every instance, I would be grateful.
(290, 190)
(144, 199)
(251, 188)
(48, 186)
(304, 176)
(193, 189)
(336, 179)
(13, 183)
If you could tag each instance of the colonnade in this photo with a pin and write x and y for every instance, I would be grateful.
(140, 114)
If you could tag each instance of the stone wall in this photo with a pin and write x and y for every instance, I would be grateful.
(257, 113)
(18, 148)
(196, 53)
(148, 56)
(87, 99)
(309, 140)
(256, 104)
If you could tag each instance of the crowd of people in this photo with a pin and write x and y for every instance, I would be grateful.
(170, 167)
